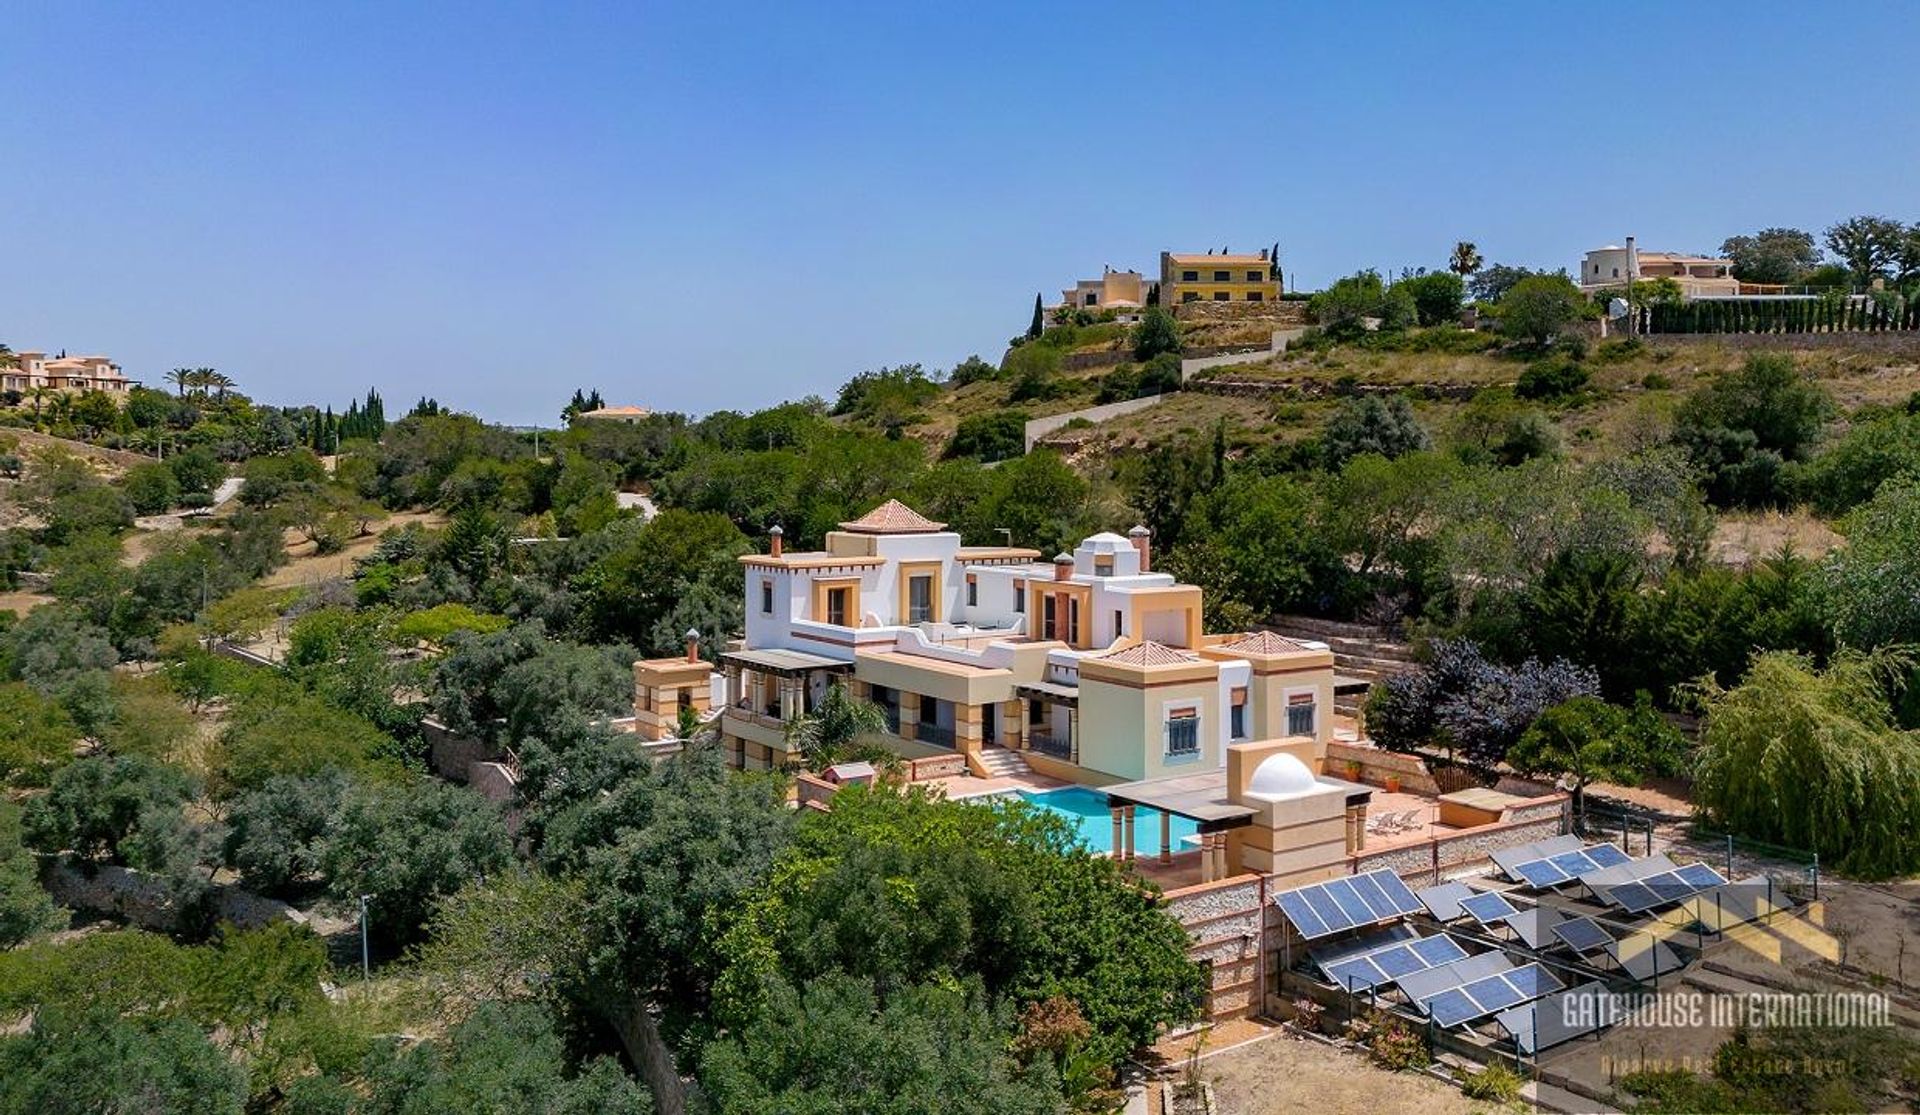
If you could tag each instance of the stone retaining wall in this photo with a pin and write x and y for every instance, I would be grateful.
(1280, 312)
(146, 901)
(1223, 920)
(1902, 344)
(1376, 764)
(1321, 389)
(936, 766)
(450, 755)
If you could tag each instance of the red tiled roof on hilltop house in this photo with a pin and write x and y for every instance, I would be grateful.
(893, 517)
(1263, 642)
(1150, 653)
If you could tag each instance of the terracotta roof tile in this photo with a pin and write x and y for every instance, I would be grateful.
(893, 517)
(1263, 642)
(1150, 653)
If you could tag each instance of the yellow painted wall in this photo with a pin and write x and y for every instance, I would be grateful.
(1122, 728)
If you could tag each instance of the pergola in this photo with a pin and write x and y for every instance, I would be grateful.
(790, 667)
(1200, 797)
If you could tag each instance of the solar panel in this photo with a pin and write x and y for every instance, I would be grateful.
(1561, 1017)
(1328, 910)
(1634, 897)
(1573, 863)
(1700, 876)
(1398, 961)
(1342, 892)
(1509, 858)
(1582, 934)
(1487, 908)
(1533, 980)
(1606, 855)
(1452, 1007)
(1493, 993)
(1396, 891)
(1294, 905)
(1356, 975)
(1724, 907)
(1438, 950)
(1535, 926)
(1643, 960)
(1375, 898)
(1443, 901)
(1541, 874)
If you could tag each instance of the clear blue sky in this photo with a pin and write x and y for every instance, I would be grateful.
(725, 205)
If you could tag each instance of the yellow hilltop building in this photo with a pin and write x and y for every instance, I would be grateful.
(1185, 277)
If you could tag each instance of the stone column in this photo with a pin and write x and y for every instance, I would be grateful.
(789, 698)
(1207, 873)
(1166, 837)
(1126, 818)
(1117, 825)
(1073, 731)
(909, 714)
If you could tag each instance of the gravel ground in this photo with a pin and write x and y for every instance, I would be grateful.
(1283, 1074)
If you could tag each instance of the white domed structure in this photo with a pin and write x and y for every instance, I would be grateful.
(1280, 776)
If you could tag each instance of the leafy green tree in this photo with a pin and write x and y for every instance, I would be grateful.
(1551, 378)
(625, 593)
(1741, 428)
(26, 910)
(276, 835)
(1811, 759)
(36, 736)
(152, 488)
(93, 1061)
(972, 370)
(503, 1058)
(992, 436)
(408, 846)
(197, 470)
(275, 727)
(1491, 284)
(1772, 255)
(837, 1046)
(1872, 585)
(1437, 296)
(1586, 740)
(1384, 426)
(1848, 470)
(1341, 310)
(102, 808)
(903, 889)
(1157, 333)
(1539, 308)
(1582, 609)
(1260, 539)
(1867, 245)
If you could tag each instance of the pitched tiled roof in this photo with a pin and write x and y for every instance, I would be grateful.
(893, 517)
(1150, 653)
(621, 412)
(1263, 642)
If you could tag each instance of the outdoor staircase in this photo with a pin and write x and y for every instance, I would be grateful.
(1359, 650)
(998, 762)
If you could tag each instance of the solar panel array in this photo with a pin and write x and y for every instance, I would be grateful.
(1664, 889)
(1561, 1017)
(1384, 965)
(1564, 867)
(1478, 986)
(1337, 904)
(1488, 907)
(1509, 858)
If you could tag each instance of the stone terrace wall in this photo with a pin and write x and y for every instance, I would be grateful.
(1282, 313)
(1223, 920)
(144, 900)
(1376, 765)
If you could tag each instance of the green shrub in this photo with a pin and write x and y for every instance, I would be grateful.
(1656, 381)
(1617, 349)
(993, 436)
(1554, 377)
(1495, 1084)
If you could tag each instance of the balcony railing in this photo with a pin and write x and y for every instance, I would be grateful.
(935, 734)
(1052, 746)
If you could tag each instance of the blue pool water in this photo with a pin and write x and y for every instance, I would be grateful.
(1086, 811)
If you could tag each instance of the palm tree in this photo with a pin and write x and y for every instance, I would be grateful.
(39, 397)
(841, 728)
(60, 411)
(218, 382)
(181, 378)
(7, 358)
(1465, 259)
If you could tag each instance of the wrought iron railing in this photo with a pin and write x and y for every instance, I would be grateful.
(1056, 747)
(1183, 737)
(935, 734)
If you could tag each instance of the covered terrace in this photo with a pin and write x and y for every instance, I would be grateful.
(1200, 797)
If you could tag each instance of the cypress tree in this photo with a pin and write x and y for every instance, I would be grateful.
(1034, 327)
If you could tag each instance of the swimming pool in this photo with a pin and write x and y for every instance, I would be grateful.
(1086, 811)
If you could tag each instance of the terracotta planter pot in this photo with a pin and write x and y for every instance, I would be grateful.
(1393, 783)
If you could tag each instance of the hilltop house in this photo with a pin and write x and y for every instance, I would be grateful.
(1698, 276)
(1216, 278)
(1113, 290)
(1091, 667)
(63, 373)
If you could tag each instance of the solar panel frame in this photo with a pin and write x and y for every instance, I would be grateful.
(1541, 874)
(1443, 901)
(1397, 961)
(1488, 907)
(1543, 1024)
(1533, 926)
(1592, 932)
(1645, 963)
(1357, 974)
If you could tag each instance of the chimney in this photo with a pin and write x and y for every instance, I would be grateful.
(1063, 567)
(693, 642)
(774, 536)
(1633, 261)
(1142, 537)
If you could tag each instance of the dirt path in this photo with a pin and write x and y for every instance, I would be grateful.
(1281, 1075)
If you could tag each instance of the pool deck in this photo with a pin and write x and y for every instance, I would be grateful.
(961, 787)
